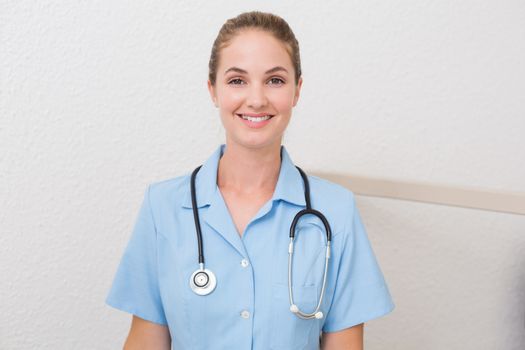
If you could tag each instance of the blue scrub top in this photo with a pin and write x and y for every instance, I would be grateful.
(249, 308)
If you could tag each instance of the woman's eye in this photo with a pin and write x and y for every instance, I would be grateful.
(277, 81)
(234, 81)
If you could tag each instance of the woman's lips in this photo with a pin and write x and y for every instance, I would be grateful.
(255, 124)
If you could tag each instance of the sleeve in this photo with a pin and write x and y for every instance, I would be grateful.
(360, 293)
(135, 287)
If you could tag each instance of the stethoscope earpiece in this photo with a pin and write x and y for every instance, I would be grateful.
(317, 313)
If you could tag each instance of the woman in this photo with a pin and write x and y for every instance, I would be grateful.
(246, 195)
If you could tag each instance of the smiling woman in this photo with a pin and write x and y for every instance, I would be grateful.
(254, 85)
(241, 203)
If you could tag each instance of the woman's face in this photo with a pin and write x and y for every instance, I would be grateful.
(255, 77)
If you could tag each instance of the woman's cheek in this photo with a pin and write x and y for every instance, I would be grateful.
(284, 101)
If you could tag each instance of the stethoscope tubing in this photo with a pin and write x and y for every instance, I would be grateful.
(308, 210)
(208, 285)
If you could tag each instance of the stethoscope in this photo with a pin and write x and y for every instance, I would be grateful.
(203, 281)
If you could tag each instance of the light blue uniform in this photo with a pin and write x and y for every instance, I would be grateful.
(249, 308)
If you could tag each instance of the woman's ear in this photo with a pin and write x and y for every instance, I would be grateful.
(213, 96)
(297, 91)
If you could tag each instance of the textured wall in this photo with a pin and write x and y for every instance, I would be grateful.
(99, 98)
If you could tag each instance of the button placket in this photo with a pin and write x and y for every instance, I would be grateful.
(245, 263)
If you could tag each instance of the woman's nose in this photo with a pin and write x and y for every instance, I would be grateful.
(256, 97)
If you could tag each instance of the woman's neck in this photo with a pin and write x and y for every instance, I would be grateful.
(249, 171)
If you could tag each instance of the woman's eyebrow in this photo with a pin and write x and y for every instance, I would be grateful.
(242, 71)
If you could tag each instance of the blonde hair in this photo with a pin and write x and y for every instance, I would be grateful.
(267, 22)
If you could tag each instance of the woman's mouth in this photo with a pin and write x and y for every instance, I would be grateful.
(255, 122)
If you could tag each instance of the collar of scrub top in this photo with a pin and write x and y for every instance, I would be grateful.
(289, 185)
(289, 188)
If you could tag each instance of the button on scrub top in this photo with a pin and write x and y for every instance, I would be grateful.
(249, 308)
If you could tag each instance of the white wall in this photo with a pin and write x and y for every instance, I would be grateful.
(99, 98)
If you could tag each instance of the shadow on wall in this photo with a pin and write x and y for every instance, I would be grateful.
(453, 280)
(518, 327)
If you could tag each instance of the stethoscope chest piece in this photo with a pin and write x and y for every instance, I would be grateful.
(203, 281)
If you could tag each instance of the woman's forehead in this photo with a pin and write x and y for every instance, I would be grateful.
(254, 51)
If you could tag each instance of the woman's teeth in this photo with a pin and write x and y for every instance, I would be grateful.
(255, 119)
